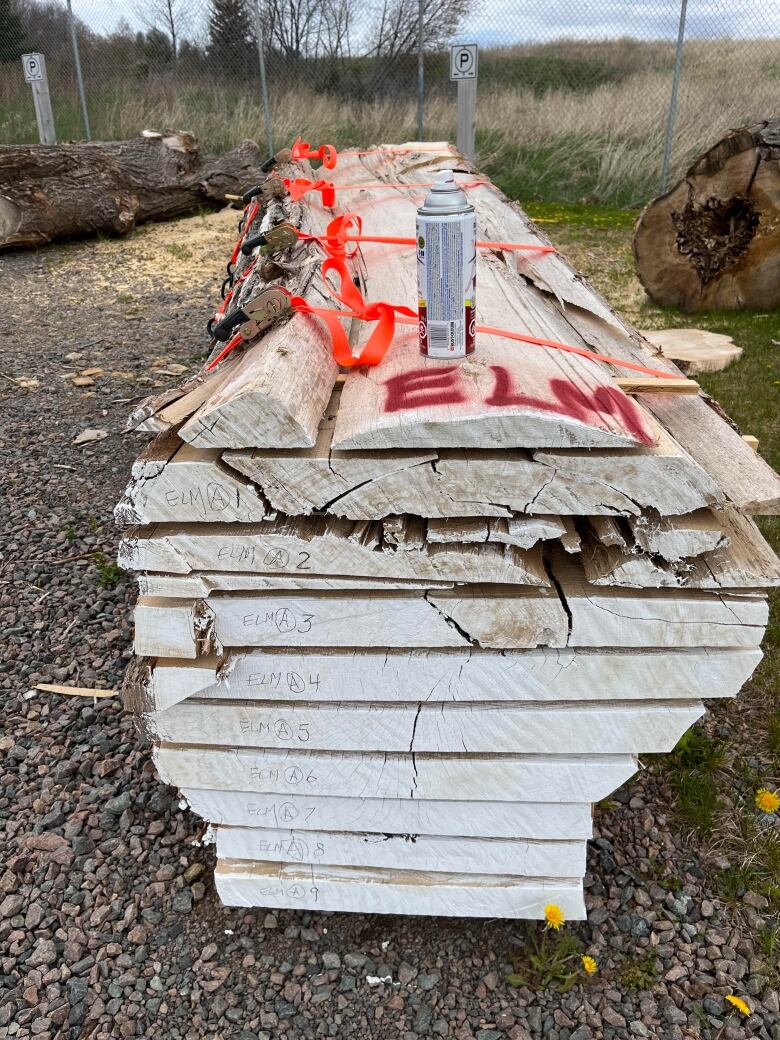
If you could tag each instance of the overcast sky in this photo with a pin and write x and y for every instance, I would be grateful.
(513, 21)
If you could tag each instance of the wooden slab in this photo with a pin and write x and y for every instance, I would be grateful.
(320, 546)
(473, 483)
(744, 561)
(200, 585)
(538, 821)
(497, 778)
(477, 855)
(578, 729)
(744, 477)
(175, 482)
(374, 891)
(423, 676)
(679, 537)
(660, 617)
(189, 628)
(699, 349)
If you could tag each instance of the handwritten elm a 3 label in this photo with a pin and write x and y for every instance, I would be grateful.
(283, 620)
(298, 732)
(285, 682)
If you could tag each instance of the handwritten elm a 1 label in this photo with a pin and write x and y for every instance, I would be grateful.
(215, 498)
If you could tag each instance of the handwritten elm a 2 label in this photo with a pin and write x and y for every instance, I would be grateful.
(283, 619)
(279, 560)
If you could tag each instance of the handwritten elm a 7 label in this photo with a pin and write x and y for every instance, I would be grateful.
(282, 619)
(282, 812)
(293, 682)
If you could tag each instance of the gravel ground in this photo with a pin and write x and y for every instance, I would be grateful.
(109, 923)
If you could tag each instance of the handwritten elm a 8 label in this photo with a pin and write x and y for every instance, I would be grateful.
(272, 559)
(298, 732)
(285, 682)
(294, 848)
(283, 620)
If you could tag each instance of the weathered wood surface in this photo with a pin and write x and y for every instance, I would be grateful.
(188, 586)
(49, 192)
(660, 617)
(536, 821)
(527, 617)
(457, 854)
(375, 891)
(743, 476)
(497, 778)
(174, 482)
(507, 394)
(713, 241)
(679, 537)
(744, 561)
(321, 546)
(481, 482)
(423, 676)
(696, 350)
(577, 729)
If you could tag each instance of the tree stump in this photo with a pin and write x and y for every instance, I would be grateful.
(713, 241)
(69, 190)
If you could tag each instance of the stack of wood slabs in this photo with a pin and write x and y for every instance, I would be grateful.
(398, 630)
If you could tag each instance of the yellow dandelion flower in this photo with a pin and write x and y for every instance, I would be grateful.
(553, 915)
(739, 1004)
(590, 965)
(767, 801)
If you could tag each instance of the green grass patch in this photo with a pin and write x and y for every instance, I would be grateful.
(638, 973)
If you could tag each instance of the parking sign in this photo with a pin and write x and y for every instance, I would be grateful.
(463, 61)
(33, 67)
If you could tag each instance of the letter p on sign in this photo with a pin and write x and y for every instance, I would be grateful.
(463, 61)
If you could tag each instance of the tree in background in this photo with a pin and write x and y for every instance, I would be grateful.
(13, 41)
(231, 46)
(167, 16)
(395, 26)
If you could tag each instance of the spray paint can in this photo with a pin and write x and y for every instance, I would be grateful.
(446, 270)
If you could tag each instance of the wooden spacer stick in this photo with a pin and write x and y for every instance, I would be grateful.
(748, 438)
(642, 385)
(74, 691)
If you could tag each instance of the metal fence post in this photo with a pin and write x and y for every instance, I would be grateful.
(79, 78)
(673, 99)
(263, 82)
(420, 71)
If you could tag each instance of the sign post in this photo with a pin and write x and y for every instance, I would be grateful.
(34, 66)
(463, 71)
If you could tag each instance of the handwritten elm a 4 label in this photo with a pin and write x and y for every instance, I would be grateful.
(446, 271)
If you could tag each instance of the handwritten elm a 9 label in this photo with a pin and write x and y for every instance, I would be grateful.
(283, 620)
(264, 558)
(286, 732)
(285, 682)
(293, 893)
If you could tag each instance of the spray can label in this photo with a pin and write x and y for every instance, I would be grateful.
(446, 277)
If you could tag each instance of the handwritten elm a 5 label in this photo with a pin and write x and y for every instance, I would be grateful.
(283, 620)
(280, 728)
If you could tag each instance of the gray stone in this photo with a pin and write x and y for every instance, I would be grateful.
(45, 952)
(331, 960)
(427, 982)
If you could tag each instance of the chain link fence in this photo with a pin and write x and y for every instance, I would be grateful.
(573, 95)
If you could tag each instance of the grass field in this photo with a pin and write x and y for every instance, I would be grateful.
(569, 121)
(712, 778)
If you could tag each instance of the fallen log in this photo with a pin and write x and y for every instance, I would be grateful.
(713, 241)
(68, 190)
